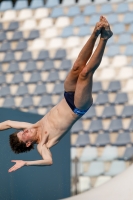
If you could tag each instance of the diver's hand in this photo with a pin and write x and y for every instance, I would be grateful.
(19, 164)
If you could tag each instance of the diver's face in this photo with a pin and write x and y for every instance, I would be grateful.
(24, 135)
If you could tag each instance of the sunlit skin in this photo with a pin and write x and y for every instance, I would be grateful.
(61, 118)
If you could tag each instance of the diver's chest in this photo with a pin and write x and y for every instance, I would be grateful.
(48, 131)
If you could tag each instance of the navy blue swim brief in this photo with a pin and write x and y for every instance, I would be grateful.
(69, 96)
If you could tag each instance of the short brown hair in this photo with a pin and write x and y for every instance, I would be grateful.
(17, 146)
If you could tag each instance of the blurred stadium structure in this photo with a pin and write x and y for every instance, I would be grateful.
(39, 42)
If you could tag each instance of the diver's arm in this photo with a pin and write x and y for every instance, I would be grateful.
(39, 162)
(19, 125)
(4, 125)
(44, 152)
(46, 155)
(21, 163)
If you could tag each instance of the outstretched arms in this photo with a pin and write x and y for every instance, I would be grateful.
(14, 124)
(45, 153)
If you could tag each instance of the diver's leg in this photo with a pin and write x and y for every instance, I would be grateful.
(83, 92)
(83, 57)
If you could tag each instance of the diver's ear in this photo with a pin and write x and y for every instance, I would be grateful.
(28, 144)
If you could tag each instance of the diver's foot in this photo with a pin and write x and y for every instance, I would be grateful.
(106, 32)
(97, 29)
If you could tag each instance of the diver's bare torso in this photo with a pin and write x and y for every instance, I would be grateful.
(56, 123)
